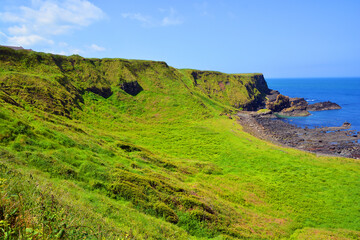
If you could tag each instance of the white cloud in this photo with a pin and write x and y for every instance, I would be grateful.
(29, 40)
(45, 18)
(10, 17)
(18, 30)
(171, 18)
(57, 52)
(145, 20)
(97, 48)
(63, 44)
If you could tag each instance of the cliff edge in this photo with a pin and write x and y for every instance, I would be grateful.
(56, 83)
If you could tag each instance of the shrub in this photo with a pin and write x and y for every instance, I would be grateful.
(95, 184)
(192, 203)
(126, 190)
(201, 215)
(166, 212)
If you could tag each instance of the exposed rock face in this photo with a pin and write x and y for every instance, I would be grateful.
(279, 104)
(261, 84)
(132, 88)
(323, 106)
(272, 95)
(298, 102)
(297, 108)
(258, 85)
(246, 91)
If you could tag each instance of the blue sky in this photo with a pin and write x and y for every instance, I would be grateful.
(280, 38)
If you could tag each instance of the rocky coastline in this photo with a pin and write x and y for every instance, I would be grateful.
(338, 141)
(295, 107)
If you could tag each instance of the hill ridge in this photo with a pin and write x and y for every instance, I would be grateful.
(74, 75)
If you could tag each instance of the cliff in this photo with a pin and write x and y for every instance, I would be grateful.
(245, 91)
(56, 83)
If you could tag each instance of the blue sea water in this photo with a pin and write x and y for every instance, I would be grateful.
(343, 91)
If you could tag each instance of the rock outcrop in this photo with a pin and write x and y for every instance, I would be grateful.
(298, 102)
(298, 108)
(281, 102)
(321, 106)
(295, 107)
(271, 97)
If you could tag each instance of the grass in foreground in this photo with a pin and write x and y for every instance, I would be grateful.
(159, 165)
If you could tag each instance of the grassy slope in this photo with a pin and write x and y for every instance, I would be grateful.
(161, 164)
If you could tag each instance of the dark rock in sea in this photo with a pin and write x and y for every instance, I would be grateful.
(301, 103)
(294, 107)
(346, 124)
(321, 106)
(297, 108)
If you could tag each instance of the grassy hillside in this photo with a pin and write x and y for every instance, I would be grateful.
(129, 149)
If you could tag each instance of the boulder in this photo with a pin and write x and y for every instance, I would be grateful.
(279, 104)
(295, 112)
(297, 108)
(300, 103)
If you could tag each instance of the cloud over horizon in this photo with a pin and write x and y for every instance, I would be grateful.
(44, 19)
(170, 18)
(97, 48)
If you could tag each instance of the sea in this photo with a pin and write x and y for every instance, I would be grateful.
(343, 91)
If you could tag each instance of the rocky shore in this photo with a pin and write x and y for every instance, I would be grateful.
(295, 107)
(336, 141)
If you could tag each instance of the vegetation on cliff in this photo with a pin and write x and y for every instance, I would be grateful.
(130, 149)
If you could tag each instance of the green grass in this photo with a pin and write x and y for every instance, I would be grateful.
(164, 164)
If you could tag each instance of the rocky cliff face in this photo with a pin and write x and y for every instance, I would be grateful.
(245, 91)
